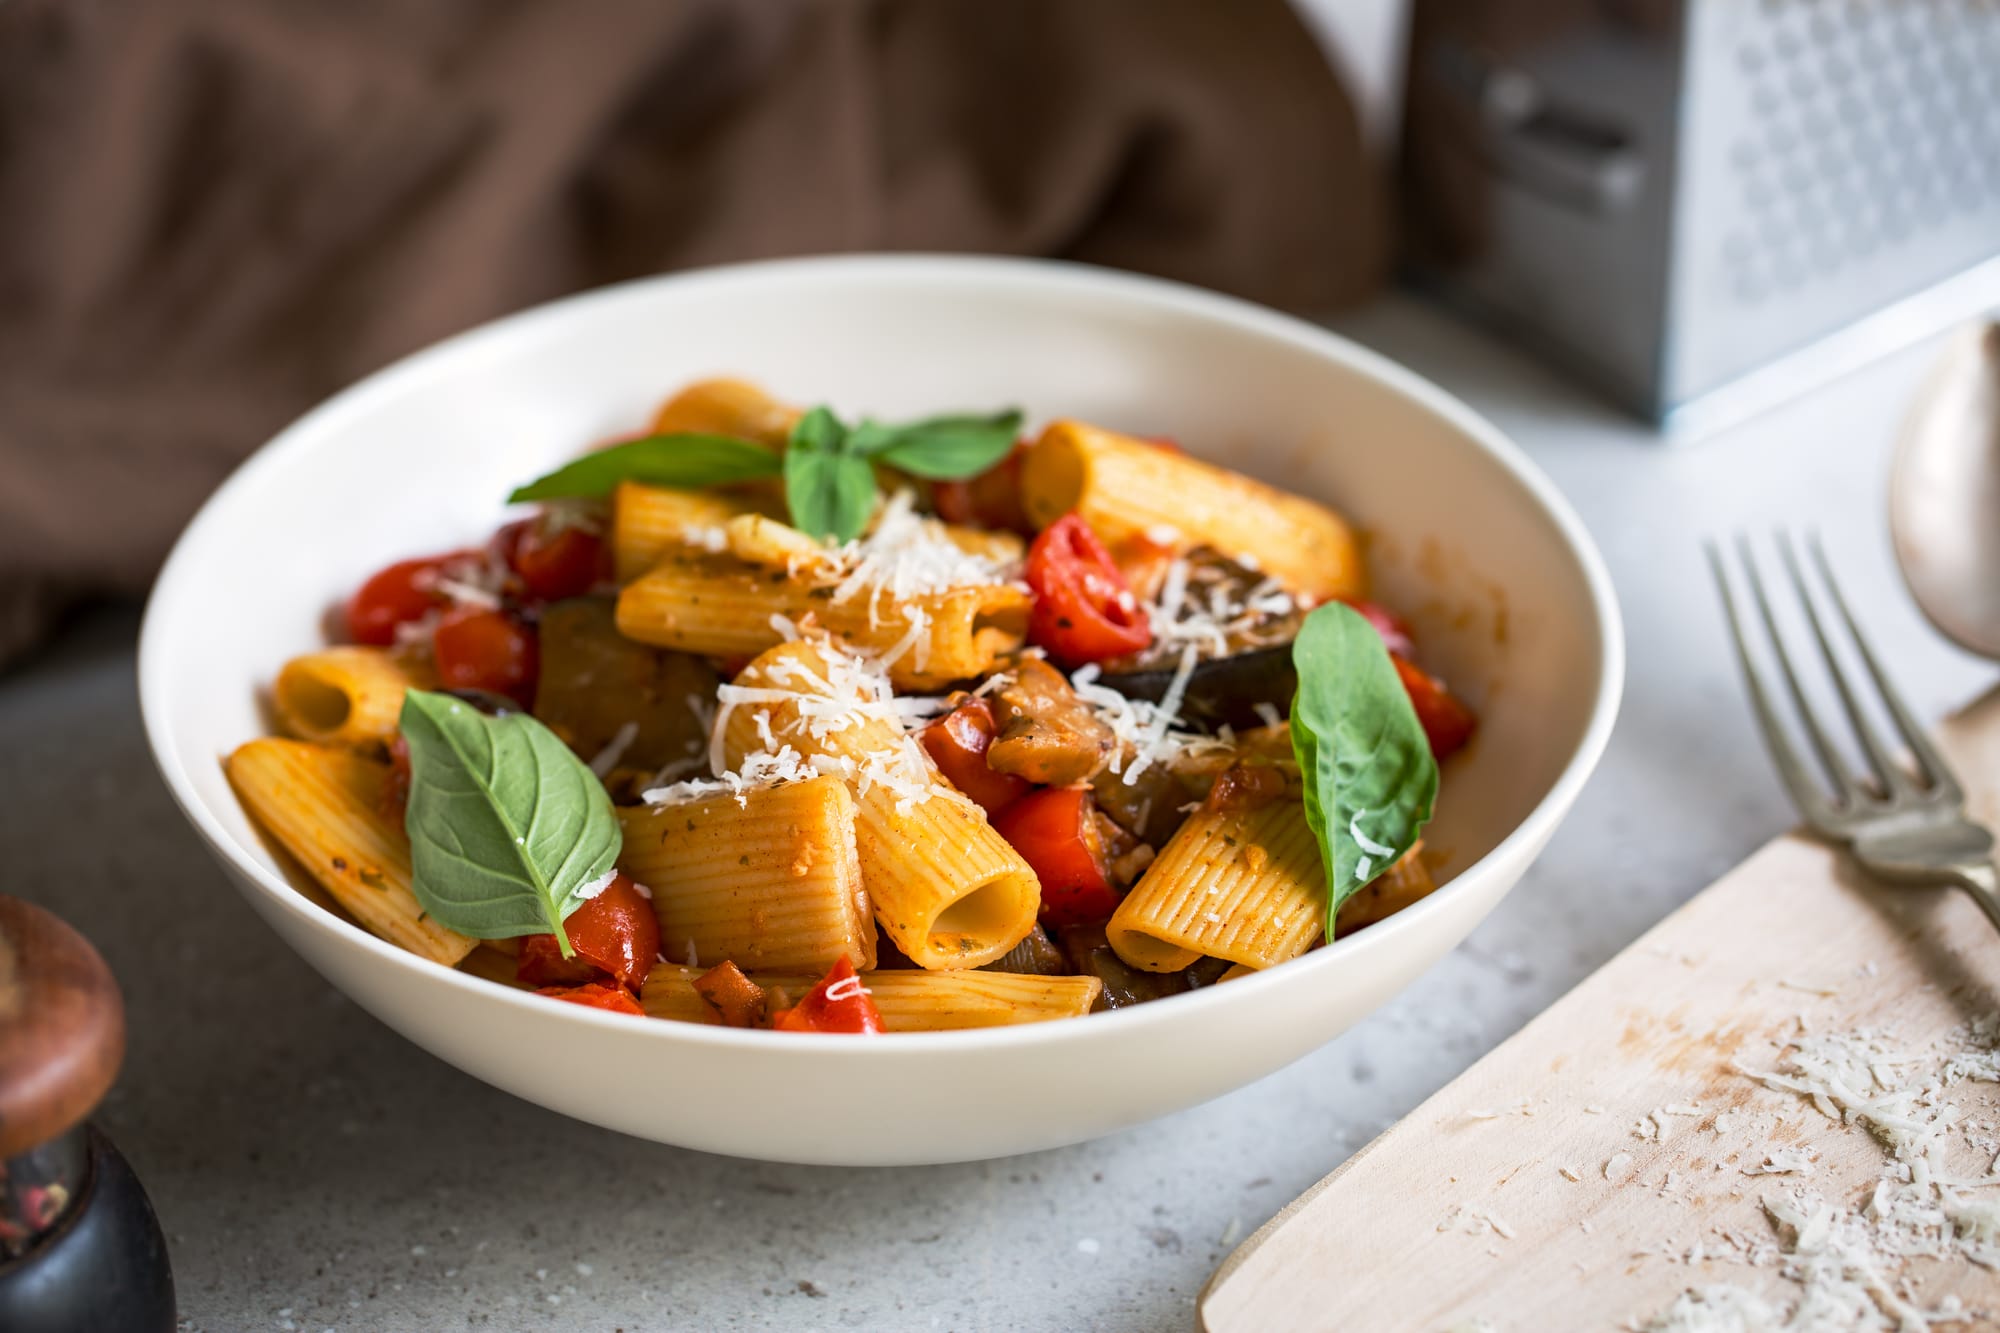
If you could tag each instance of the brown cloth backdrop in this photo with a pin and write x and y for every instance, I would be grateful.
(215, 213)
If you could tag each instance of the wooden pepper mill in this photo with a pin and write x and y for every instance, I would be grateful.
(80, 1248)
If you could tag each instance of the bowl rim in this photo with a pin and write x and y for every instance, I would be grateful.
(174, 589)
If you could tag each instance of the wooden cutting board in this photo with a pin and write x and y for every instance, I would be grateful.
(1534, 1193)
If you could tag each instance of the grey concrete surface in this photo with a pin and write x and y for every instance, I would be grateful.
(314, 1171)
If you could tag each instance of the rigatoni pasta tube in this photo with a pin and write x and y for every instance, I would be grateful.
(350, 696)
(727, 407)
(908, 1000)
(325, 807)
(949, 890)
(770, 881)
(1240, 880)
(721, 606)
(647, 521)
(1126, 487)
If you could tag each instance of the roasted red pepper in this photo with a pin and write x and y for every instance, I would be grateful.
(614, 934)
(406, 591)
(553, 560)
(1448, 723)
(1084, 610)
(596, 996)
(839, 1003)
(487, 650)
(1056, 834)
(958, 741)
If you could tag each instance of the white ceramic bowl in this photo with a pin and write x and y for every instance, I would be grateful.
(1510, 600)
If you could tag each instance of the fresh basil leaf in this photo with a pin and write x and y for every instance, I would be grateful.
(507, 826)
(1370, 779)
(831, 494)
(948, 448)
(818, 430)
(657, 460)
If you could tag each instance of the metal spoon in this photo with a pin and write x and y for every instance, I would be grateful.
(1944, 494)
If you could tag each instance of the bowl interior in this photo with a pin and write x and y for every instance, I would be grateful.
(420, 458)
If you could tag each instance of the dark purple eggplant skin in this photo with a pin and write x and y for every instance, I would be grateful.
(1222, 690)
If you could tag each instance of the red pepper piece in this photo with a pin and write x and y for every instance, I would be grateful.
(958, 741)
(839, 1003)
(595, 996)
(487, 650)
(614, 935)
(1055, 833)
(1448, 723)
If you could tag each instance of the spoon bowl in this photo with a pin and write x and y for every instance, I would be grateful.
(1944, 494)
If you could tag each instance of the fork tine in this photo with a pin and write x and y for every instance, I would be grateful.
(1929, 762)
(1846, 789)
(1805, 793)
(1887, 771)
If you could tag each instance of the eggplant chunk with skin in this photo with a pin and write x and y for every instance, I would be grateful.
(1222, 689)
(1046, 734)
(597, 686)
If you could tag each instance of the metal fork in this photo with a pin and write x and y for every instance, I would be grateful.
(1904, 826)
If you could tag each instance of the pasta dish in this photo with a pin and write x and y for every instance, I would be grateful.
(772, 719)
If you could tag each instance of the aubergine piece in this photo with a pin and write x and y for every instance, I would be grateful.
(1036, 955)
(1222, 690)
(1091, 956)
(595, 684)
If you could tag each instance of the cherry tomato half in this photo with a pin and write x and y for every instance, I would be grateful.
(839, 1003)
(1084, 610)
(486, 650)
(1448, 723)
(405, 591)
(614, 933)
(596, 996)
(1055, 833)
(552, 560)
(958, 742)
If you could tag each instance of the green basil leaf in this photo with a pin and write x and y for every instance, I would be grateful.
(507, 826)
(830, 494)
(1370, 779)
(818, 430)
(657, 460)
(945, 448)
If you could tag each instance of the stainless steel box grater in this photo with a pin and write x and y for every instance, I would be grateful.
(1687, 200)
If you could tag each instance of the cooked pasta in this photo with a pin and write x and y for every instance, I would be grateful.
(348, 696)
(909, 1000)
(325, 807)
(865, 728)
(724, 606)
(1125, 487)
(769, 879)
(1241, 880)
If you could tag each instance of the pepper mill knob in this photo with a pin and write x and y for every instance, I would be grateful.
(62, 1027)
(80, 1247)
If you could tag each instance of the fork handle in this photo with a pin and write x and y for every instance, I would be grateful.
(1981, 879)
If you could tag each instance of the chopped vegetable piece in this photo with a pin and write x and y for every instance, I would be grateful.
(1447, 723)
(486, 650)
(1047, 734)
(990, 500)
(1083, 611)
(1395, 631)
(404, 592)
(614, 933)
(958, 742)
(554, 560)
(1055, 832)
(738, 1001)
(839, 1003)
(595, 996)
